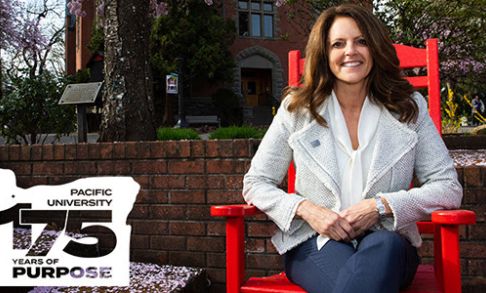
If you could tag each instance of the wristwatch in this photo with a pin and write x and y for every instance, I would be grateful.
(380, 208)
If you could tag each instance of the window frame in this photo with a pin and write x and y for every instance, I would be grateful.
(262, 13)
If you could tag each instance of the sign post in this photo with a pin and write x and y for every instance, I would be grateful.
(174, 87)
(81, 95)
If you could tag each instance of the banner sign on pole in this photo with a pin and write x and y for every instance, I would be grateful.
(172, 82)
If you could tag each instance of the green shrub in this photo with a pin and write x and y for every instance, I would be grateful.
(237, 132)
(30, 108)
(165, 133)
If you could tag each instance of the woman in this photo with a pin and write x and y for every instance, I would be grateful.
(357, 133)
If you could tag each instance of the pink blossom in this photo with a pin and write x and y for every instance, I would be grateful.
(75, 7)
(161, 9)
(9, 29)
(31, 38)
(100, 9)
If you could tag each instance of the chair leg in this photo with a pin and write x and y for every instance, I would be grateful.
(438, 268)
(235, 258)
(450, 258)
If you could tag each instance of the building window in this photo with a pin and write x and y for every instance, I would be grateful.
(255, 18)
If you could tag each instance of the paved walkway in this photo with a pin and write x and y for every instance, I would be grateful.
(73, 138)
(69, 139)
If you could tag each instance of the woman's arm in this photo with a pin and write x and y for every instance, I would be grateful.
(434, 169)
(268, 169)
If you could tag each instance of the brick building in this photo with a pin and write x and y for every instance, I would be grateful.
(265, 34)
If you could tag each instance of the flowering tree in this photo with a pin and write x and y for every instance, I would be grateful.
(28, 39)
(459, 26)
(7, 21)
(8, 31)
(32, 87)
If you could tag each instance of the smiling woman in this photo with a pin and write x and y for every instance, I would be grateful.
(356, 134)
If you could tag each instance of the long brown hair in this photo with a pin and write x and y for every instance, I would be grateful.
(385, 82)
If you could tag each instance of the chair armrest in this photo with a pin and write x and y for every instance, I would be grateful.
(235, 241)
(454, 217)
(446, 246)
(236, 210)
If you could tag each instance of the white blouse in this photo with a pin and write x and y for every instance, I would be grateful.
(354, 165)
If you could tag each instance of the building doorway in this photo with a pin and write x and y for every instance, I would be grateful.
(256, 87)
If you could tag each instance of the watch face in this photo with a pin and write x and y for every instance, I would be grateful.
(380, 207)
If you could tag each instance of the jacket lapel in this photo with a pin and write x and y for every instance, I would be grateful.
(393, 140)
(315, 144)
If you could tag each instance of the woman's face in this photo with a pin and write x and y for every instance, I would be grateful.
(349, 56)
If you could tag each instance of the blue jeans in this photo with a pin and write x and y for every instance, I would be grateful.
(382, 262)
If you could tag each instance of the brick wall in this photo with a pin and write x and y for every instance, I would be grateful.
(181, 180)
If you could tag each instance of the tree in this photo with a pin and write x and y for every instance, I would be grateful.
(459, 25)
(33, 43)
(28, 106)
(193, 40)
(199, 36)
(128, 107)
(8, 30)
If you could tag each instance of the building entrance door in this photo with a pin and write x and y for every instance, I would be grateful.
(256, 86)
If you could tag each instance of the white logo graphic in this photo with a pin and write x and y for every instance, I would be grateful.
(37, 243)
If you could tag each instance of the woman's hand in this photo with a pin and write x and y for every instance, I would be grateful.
(361, 216)
(326, 222)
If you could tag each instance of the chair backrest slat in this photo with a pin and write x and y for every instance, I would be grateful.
(295, 68)
(418, 82)
(411, 57)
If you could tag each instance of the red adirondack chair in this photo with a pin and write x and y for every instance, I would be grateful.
(443, 276)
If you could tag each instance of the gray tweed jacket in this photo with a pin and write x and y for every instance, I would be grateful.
(401, 150)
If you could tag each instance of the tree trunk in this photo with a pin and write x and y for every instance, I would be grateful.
(1, 76)
(128, 106)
